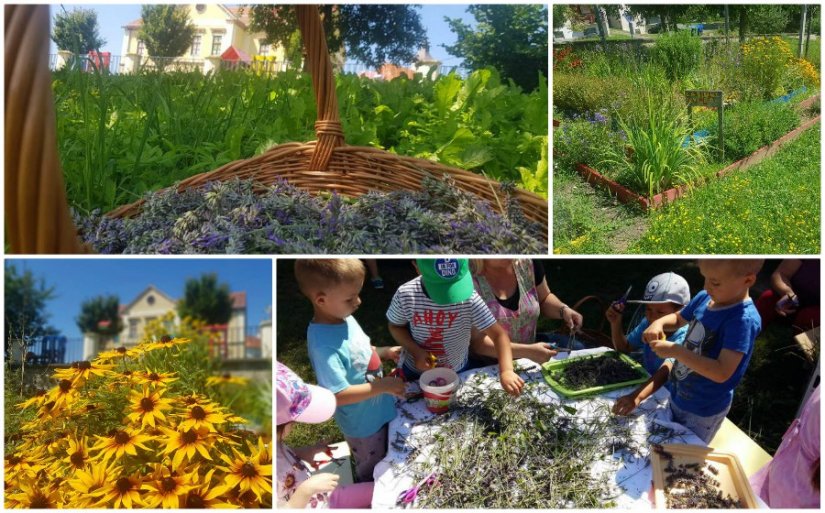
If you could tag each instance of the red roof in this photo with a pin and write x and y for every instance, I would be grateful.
(252, 341)
(233, 54)
(238, 299)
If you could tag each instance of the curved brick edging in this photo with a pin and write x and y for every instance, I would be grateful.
(625, 195)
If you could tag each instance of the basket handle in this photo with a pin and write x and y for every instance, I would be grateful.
(328, 131)
(37, 212)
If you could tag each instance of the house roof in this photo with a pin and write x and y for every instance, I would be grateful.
(252, 341)
(238, 299)
(235, 16)
(234, 54)
(150, 288)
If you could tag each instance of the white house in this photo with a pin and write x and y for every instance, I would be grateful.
(586, 14)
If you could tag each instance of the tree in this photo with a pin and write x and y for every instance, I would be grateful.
(77, 31)
(166, 30)
(768, 19)
(369, 33)
(100, 309)
(561, 13)
(25, 307)
(668, 14)
(204, 299)
(511, 38)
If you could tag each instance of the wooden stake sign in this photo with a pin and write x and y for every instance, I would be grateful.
(711, 100)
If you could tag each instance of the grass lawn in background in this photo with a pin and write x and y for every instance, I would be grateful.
(773, 207)
(765, 402)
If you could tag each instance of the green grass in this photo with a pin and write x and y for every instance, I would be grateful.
(771, 208)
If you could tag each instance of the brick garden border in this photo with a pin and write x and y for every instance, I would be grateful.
(625, 195)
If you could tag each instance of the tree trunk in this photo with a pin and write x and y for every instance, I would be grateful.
(727, 26)
(601, 28)
(802, 31)
(808, 33)
(743, 22)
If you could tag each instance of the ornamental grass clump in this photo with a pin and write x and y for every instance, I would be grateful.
(125, 430)
(229, 217)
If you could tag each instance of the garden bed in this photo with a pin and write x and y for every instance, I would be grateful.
(625, 195)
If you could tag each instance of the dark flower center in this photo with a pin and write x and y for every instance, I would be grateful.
(189, 437)
(122, 438)
(40, 392)
(90, 407)
(65, 385)
(49, 405)
(198, 413)
(154, 376)
(127, 373)
(78, 459)
(147, 404)
(166, 339)
(248, 497)
(190, 399)
(84, 365)
(194, 501)
(248, 470)
(123, 485)
(14, 460)
(40, 501)
(121, 349)
(168, 484)
(227, 376)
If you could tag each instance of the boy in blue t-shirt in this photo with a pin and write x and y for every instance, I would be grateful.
(665, 294)
(723, 325)
(345, 362)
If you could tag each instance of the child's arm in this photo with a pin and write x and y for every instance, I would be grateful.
(614, 317)
(510, 381)
(717, 370)
(388, 352)
(401, 334)
(357, 393)
(319, 483)
(627, 403)
(657, 328)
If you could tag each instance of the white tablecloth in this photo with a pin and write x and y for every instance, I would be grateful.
(631, 474)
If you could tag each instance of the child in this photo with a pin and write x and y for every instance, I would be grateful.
(665, 294)
(299, 402)
(723, 326)
(342, 357)
(433, 317)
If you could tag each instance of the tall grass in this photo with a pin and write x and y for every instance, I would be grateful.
(657, 160)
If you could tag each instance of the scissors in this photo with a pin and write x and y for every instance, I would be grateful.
(622, 300)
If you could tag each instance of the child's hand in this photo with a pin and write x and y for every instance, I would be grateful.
(324, 482)
(614, 313)
(423, 361)
(653, 332)
(539, 352)
(626, 404)
(663, 348)
(391, 385)
(390, 353)
(511, 383)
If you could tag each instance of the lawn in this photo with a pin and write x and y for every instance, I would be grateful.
(771, 208)
(763, 412)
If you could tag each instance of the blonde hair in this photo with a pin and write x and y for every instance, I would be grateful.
(739, 266)
(317, 274)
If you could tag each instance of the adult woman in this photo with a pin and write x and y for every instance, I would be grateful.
(516, 292)
(794, 295)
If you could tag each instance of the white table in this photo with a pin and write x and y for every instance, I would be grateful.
(632, 476)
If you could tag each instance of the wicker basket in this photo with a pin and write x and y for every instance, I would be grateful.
(37, 216)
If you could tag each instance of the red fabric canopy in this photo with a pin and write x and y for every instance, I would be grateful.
(233, 54)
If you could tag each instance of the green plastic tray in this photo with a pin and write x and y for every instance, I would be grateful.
(551, 368)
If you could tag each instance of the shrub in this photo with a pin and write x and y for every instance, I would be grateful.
(658, 160)
(751, 125)
(802, 72)
(764, 62)
(583, 141)
(582, 93)
(136, 427)
(678, 53)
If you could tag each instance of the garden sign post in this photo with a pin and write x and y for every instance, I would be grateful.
(710, 99)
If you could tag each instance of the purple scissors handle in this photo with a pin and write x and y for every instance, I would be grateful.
(622, 300)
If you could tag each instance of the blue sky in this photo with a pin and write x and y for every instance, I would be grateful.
(76, 280)
(112, 18)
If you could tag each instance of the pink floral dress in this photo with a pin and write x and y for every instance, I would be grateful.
(291, 473)
(519, 324)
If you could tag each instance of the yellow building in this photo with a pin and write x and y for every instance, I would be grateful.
(222, 39)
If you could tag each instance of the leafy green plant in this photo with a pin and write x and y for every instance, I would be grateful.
(583, 141)
(764, 62)
(578, 93)
(657, 158)
(679, 53)
(751, 125)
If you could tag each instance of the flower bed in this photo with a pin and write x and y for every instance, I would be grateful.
(229, 217)
(123, 430)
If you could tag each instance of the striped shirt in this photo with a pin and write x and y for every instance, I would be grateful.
(443, 330)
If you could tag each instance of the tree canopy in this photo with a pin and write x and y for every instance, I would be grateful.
(77, 31)
(166, 30)
(25, 306)
(511, 38)
(205, 299)
(370, 33)
(100, 309)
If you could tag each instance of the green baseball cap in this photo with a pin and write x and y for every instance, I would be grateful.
(447, 280)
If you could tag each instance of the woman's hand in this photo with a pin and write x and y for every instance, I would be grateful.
(572, 319)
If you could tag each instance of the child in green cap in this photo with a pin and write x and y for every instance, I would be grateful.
(434, 316)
